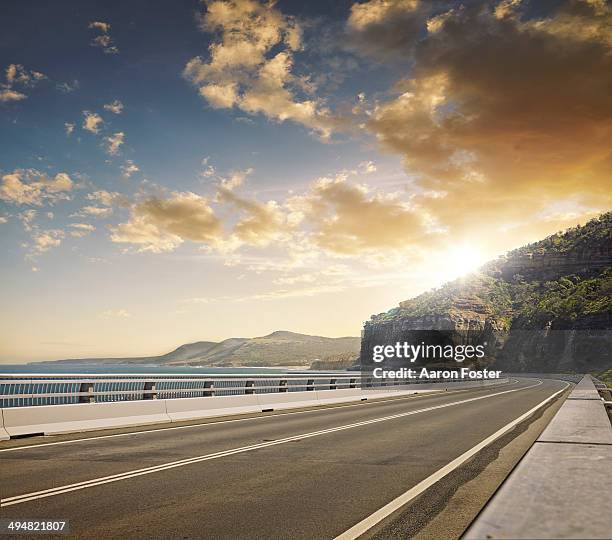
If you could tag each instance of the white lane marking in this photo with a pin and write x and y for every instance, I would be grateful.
(366, 524)
(266, 417)
(17, 499)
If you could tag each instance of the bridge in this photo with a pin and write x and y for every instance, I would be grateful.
(312, 457)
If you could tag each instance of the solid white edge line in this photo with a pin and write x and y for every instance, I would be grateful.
(366, 524)
(17, 499)
(268, 416)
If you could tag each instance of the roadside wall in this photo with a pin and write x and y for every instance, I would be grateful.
(56, 419)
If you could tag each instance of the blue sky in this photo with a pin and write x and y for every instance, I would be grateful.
(177, 171)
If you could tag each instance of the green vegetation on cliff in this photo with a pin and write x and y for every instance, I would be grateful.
(562, 283)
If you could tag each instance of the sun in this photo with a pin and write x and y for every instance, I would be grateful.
(459, 261)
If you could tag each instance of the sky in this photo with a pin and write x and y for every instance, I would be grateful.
(175, 171)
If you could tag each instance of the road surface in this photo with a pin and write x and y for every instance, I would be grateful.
(308, 474)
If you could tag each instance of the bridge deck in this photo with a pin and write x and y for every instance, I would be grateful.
(273, 476)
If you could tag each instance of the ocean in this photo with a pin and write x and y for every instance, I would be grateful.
(117, 369)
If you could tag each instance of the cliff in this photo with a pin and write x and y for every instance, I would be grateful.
(546, 306)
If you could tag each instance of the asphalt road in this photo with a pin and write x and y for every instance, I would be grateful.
(308, 474)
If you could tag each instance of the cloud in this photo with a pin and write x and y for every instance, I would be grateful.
(107, 198)
(92, 122)
(44, 240)
(81, 229)
(501, 115)
(103, 40)
(367, 167)
(95, 211)
(250, 65)
(116, 107)
(261, 223)
(348, 219)
(27, 219)
(17, 75)
(159, 225)
(207, 168)
(115, 314)
(235, 180)
(101, 26)
(113, 142)
(380, 28)
(32, 187)
(129, 168)
(6, 95)
(68, 88)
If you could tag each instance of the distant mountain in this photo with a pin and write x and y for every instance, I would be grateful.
(546, 306)
(280, 348)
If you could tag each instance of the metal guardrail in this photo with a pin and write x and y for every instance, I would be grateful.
(19, 390)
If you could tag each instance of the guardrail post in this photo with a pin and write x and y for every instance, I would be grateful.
(310, 385)
(209, 389)
(352, 383)
(283, 385)
(89, 388)
(152, 394)
(249, 387)
(332, 384)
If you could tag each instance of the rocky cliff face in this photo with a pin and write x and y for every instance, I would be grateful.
(544, 307)
(546, 266)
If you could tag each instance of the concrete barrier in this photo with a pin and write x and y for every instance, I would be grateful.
(560, 488)
(55, 419)
(206, 407)
(344, 395)
(4, 436)
(288, 400)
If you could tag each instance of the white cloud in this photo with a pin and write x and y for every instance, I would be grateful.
(113, 142)
(67, 87)
(103, 40)
(102, 26)
(367, 167)
(251, 65)
(347, 219)
(16, 74)
(44, 240)
(104, 198)
(92, 122)
(208, 170)
(6, 95)
(159, 225)
(129, 168)
(27, 219)
(115, 314)
(116, 107)
(32, 187)
(81, 229)
(95, 211)
(236, 179)
(107, 198)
